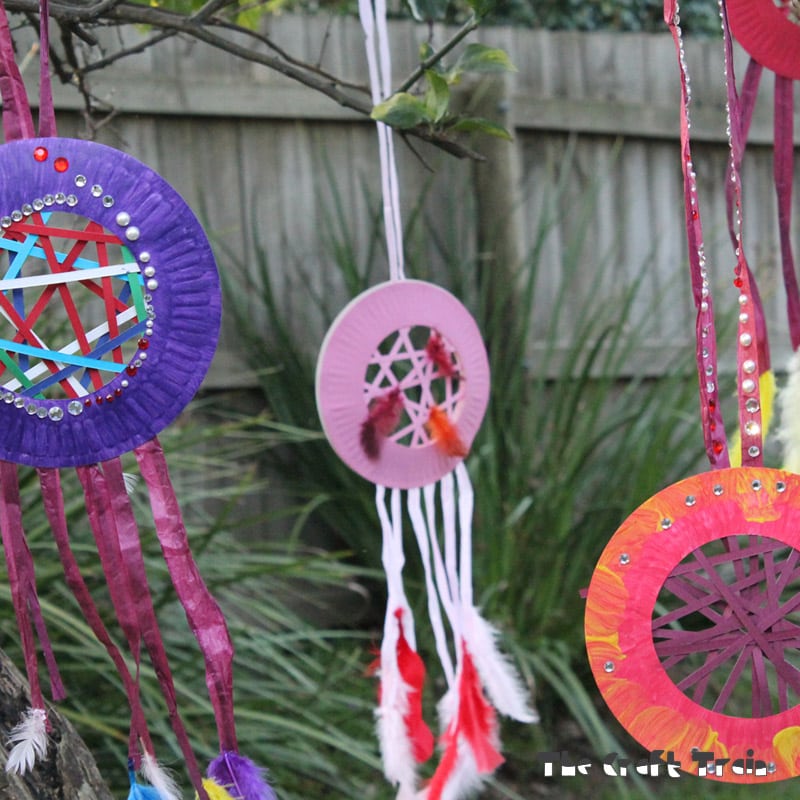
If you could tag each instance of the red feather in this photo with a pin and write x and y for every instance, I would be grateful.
(474, 724)
(412, 671)
(445, 434)
(382, 418)
(437, 352)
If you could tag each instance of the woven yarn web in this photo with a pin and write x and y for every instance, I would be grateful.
(72, 306)
(401, 361)
(727, 626)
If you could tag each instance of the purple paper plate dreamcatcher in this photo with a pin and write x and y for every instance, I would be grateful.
(402, 386)
(109, 316)
(692, 624)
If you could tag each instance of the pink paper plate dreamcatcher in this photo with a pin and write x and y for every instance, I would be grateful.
(402, 386)
(692, 625)
(109, 315)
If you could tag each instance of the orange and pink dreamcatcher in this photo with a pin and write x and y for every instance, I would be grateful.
(693, 612)
(109, 315)
(402, 386)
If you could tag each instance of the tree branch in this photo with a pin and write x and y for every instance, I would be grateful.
(199, 26)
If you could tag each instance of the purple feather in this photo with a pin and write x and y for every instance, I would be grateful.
(240, 777)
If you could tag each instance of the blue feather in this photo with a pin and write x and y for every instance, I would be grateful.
(139, 792)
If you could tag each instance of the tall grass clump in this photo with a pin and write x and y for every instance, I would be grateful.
(572, 442)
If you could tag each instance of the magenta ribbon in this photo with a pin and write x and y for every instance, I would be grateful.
(713, 427)
(47, 116)
(22, 581)
(50, 482)
(117, 538)
(202, 611)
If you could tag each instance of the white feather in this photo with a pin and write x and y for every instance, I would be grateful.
(131, 482)
(399, 765)
(788, 401)
(503, 685)
(160, 779)
(29, 740)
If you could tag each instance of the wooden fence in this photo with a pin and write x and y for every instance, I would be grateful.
(270, 164)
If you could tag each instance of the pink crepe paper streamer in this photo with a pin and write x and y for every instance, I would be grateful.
(116, 534)
(202, 611)
(23, 588)
(705, 332)
(17, 119)
(50, 482)
(47, 116)
(783, 170)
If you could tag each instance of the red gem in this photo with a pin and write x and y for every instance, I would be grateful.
(738, 283)
(130, 369)
(99, 400)
(109, 398)
(143, 344)
(712, 406)
(712, 425)
(117, 391)
(695, 215)
(717, 447)
(87, 402)
(61, 164)
(40, 154)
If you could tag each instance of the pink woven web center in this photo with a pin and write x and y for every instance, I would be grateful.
(726, 626)
(401, 360)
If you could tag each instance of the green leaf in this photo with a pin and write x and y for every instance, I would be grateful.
(481, 125)
(401, 110)
(480, 58)
(437, 98)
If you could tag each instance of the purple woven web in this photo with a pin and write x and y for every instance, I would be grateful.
(402, 360)
(726, 626)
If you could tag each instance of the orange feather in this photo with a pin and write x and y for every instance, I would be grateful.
(444, 434)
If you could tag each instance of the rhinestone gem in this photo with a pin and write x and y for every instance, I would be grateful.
(80, 181)
(27, 209)
(6, 222)
(690, 500)
(780, 487)
(666, 524)
(40, 154)
(38, 204)
(61, 164)
(624, 559)
(753, 451)
(608, 666)
(75, 407)
(41, 412)
(97, 190)
(108, 201)
(61, 198)
(752, 405)
(56, 413)
(19, 402)
(123, 218)
(49, 199)
(72, 200)
(718, 490)
(16, 215)
(30, 409)
(752, 428)
(756, 486)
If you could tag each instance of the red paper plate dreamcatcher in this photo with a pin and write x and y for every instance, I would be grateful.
(402, 386)
(109, 314)
(692, 625)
